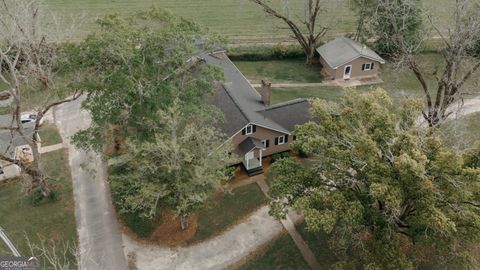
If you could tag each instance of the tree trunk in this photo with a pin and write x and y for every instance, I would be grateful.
(310, 56)
(184, 221)
(35, 170)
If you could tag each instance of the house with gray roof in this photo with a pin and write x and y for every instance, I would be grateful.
(254, 127)
(9, 144)
(344, 59)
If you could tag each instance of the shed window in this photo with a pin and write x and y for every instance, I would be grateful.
(368, 66)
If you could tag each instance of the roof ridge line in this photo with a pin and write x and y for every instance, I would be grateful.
(347, 40)
(286, 103)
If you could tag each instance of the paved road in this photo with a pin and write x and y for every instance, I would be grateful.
(101, 245)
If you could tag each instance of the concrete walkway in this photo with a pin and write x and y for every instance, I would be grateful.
(100, 241)
(50, 148)
(339, 83)
(289, 225)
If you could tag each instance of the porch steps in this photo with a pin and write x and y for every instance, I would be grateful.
(255, 171)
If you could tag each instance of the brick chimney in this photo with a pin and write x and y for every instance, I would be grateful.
(266, 91)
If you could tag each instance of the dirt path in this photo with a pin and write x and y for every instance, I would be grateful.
(470, 106)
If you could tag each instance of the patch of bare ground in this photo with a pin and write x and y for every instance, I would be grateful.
(169, 232)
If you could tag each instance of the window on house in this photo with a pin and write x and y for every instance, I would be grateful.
(250, 129)
(266, 143)
(281, 140)
(368, 66)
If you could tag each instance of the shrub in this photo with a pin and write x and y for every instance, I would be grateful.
(280, 51)
(279, 156)
(230, 172)
(302, 153)
(37, 198)
(265, 53)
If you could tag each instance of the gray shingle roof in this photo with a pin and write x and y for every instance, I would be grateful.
(289, 114)
(241, 104)
(9, 141)
(343, 50)
(249, 144)
(234, 120)
(240, 93)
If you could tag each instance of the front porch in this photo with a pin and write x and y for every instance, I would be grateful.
(252, 149)
(253, 166)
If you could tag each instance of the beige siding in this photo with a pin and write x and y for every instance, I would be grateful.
(263, 134)
(327, 70)
(357, 71)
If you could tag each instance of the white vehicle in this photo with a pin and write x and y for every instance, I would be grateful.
(29, 117)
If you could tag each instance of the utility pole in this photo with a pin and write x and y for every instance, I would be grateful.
(9, 244)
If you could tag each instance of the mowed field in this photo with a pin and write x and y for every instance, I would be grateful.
(242, 21)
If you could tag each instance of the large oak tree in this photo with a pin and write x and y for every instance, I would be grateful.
(384, 189)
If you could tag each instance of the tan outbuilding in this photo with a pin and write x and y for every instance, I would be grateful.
(344, 59)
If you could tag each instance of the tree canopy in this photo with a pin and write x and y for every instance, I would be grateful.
(380, 186)
(137, 65)
(31, 59)
(178, 168)
(147, 89)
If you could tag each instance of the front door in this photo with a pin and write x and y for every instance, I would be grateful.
(347, 73)
(248, 157)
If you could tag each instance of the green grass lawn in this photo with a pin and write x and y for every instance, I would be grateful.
(285, 94)
(398, 82)
(49, 134)
(241, 21)
(278, 71)
(52, 221)
(462, 133)
(318, 243)
(33, 97)
(226, 209)
(282, 254)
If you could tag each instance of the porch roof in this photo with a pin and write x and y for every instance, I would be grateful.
(249, 144)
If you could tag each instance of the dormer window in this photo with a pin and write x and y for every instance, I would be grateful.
(250, 129)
